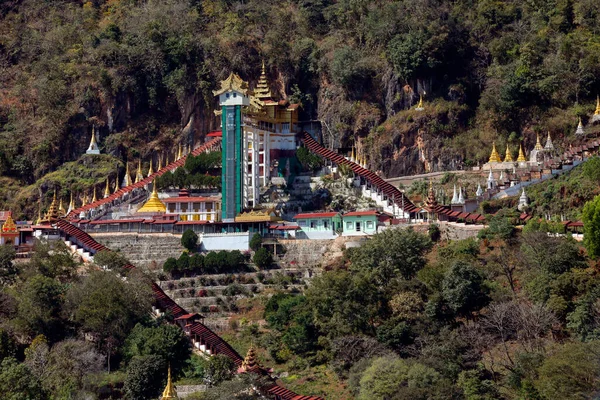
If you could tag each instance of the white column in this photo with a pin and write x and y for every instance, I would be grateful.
(254, 167)
(266, 157)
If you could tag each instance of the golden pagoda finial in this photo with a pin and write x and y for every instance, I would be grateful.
(521, 157)
(159, 162)
(420, 104)
(71, 204)
(538, 144)
(127, 179)
(117, 187)
(597, 112)
(61, 208)
(139, 176)
(352, 156)
(84, 200)
(494, 157)
(94, 198)
(39, 219)
(153, 204)
(508, 156)
(107, 189)
(150, 170)
(169, 393)
(189, 149)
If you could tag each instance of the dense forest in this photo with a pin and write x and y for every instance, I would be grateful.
(142, 72)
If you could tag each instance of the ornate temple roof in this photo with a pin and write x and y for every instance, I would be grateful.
(233, 82)
(258, 216)
(9, 226)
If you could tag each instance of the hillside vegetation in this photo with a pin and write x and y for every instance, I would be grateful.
(143, 71)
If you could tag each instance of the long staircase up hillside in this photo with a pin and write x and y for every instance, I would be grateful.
(118, 195)
(390, 193)
(203, 339)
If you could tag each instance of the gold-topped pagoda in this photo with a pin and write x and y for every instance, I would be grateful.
(107, 189)
(521, 157)
(250, 364)
(179, 153)
(9, 225)
(127, 178)
(153, 205)
(597, 112)
(61, 208)
(94, 198)
(431, 202)
(538, 144)
(508, 156)
(139, 176)
(494, 157)
(419, 106)
(150, 170)
(52, 214)
(170, 392)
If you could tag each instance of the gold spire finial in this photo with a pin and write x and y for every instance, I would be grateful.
(169, 392)
(352, 156)
(139, 176)
(127, 179)
(420, 104)
(521, 157)
(508, 156)
(597, 112)
(179, 154)
(107, 189)
(538, 144)
(39, 219)
(494, 157)
(94, 198)
(159, 162)
(61, 209)
(150, 170)
(117, 183)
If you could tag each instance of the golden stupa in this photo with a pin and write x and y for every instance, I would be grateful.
(52, 214)
(521, 157)
(150, 170)
(508, 156)
(153, 205)
(169, 392)
(139, 176)
(494, 157)
(107, 189)
(538, 144)
(597, 112)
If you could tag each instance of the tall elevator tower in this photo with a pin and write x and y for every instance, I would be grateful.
(233, 95)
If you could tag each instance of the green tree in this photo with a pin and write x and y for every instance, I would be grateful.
(262, 258)
(166, 341)
(146, 376)
(8, 345)
(393, 377)
(255, 241)
(344, 303)
(17, 382)
(8, 269)
(39, 303)
(394, 253)
(591, 226)
(218, 369)
(189, 240)
(570, 372)
(170, 265)
(112, 260)
(464, 289)
(108, 307)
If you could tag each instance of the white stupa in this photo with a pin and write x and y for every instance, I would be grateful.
(93, 149)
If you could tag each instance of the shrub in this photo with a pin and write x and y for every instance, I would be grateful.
(263, 258)
(183, 262)
(189, 240)
(170, 265)
(256, 241)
